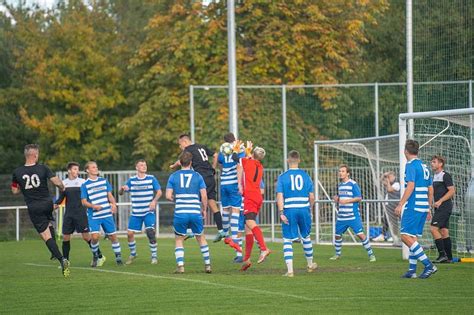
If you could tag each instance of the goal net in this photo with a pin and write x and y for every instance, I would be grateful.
(369, 160)
(449, 134)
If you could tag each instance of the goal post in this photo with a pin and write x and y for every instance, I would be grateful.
(368, 159)
(448, 133)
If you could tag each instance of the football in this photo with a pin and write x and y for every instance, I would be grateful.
(226, 148)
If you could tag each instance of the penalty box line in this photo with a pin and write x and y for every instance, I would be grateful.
(225, 286)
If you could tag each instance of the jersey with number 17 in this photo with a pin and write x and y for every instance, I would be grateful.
(186, 185)
(295, 185)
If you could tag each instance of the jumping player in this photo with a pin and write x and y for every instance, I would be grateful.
(32, 180)
(249, 174)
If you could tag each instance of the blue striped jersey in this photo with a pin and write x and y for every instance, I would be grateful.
(295, 185)
(142, 191)
(229, 168)
(417, 172)
(348, 190)
(186, 185)
(95, 191)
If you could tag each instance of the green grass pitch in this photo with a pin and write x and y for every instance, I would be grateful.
(30, 283)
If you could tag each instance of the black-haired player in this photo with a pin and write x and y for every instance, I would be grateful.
(443, 190)
(32, 180)
(75, 218)
(201, 164)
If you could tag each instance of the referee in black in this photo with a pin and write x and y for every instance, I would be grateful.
(443, 206)
(32, 180)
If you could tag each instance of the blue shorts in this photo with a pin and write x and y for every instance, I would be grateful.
(299, 224)
(184, 221)
(413, 222)
(135, 222)
(108, 225)
(354, 224)
(230, 196)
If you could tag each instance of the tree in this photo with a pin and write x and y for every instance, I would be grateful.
(66, 81)
(277, 42)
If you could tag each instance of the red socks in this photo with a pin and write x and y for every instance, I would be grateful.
(248, 246)
(259, 237)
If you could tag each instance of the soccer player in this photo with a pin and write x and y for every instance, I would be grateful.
(144, 192)
(348, 198)
(32, 180)
(96, 195)
(187, 188)
(295, 199)
(418, 196)
(443, 190)
(75, 218)
(201, 165)
(249, 175)
(230, 196)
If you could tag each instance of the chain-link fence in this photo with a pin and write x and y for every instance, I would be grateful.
(282, 118)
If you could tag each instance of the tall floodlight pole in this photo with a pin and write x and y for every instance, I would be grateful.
(233, 123)
(409, 35)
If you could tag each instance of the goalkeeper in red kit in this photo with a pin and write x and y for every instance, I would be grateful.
(249, 174)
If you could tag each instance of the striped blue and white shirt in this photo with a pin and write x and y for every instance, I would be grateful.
(295, 185)
(229, 168)
(186, 185)
(95, 191)
(142, 191)
(417, 172)
(348, 190)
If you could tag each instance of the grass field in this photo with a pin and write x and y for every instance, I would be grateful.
(30, 283)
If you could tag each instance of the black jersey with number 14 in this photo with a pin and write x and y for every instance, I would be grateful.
(33, 182)
(201, 155)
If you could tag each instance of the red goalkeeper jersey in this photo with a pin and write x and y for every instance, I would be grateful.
(253, 172)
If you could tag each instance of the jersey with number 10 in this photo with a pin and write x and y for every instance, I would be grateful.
(295, 185)
(186, 185)
(418, 173)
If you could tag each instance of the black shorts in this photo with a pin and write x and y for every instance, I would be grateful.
(75, 222)
(210, 182)
(441, 218)
(41, 214)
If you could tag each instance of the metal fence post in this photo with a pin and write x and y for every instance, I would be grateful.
(285, 143)
(377, 152)
(191, 112)
(17, 224)
(316, 222)
(272, 208)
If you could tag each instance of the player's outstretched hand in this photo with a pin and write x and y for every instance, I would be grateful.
(237, 145)
(113, 208)
(283, 218)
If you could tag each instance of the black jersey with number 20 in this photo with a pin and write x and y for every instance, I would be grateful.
(33, 182)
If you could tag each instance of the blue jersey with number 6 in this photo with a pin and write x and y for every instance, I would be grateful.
(187, 185)
(419, 174)
(295, 185)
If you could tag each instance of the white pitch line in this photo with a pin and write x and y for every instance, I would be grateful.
(226, 286)
(273, 293)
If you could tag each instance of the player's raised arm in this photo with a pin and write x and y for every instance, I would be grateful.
(175, 165)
